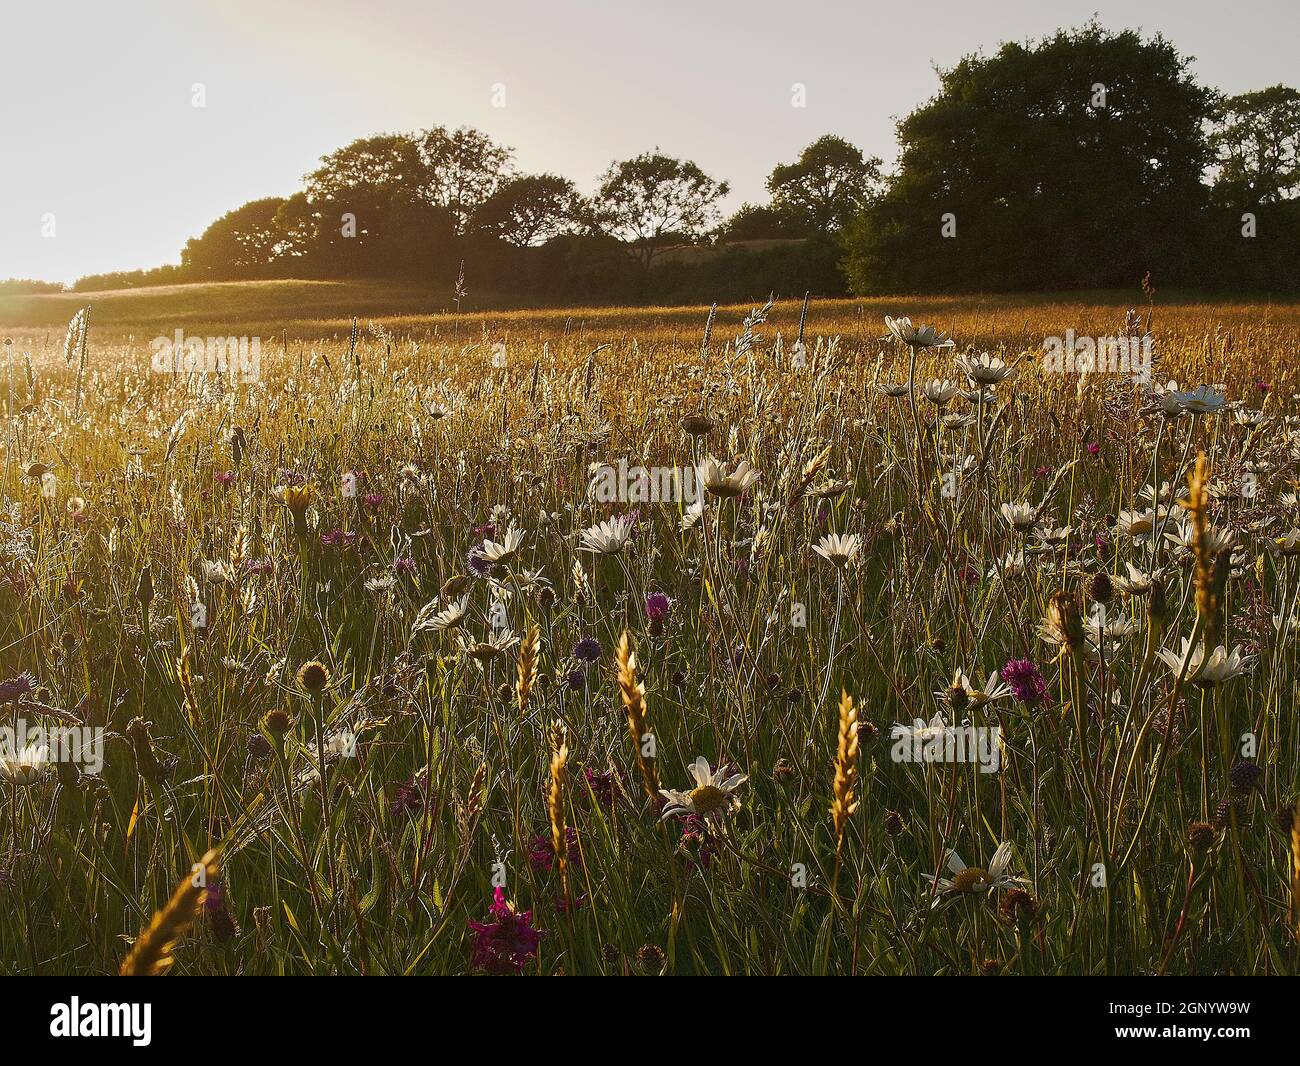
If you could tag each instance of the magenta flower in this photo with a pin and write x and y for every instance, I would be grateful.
(1027, 684)
(225, 477)
(542, 854)
(506, 943)
(657, 606)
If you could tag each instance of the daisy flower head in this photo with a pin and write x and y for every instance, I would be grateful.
(976, 879)
(606, 538)
(916, 336)
(839, 549)
(717, 482)
(504, 550)
(25, 766)
(1206, 670)
(712, 798)
(985, 369)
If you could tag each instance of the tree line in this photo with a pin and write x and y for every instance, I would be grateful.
(1086, 159)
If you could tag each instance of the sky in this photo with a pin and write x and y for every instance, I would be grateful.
(106, 164)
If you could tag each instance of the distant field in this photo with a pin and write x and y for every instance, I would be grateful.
(1260, 332)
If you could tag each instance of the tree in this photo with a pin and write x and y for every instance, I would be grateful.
(1073, 161)
(1256, 142)
(459, 170)
(757, 222)
(829, 183)
(646, 201)
(240, 244)
(390, 161)
(529, 209)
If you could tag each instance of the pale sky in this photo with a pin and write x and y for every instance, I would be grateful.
(97, 126)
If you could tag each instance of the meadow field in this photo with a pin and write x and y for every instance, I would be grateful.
(744, 640)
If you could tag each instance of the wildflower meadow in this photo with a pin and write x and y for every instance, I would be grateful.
(806, 638)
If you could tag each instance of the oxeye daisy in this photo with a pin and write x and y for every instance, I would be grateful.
(506, 549)
(717, 482)
(26, 766)
(838, 548)
(712, 798)
(976, 879)
(916, 336)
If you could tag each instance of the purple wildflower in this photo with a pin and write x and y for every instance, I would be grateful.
(587, 650)
(508, 942)
(1027, 684)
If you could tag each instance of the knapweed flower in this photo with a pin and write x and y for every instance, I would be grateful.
(587, 650)
(507, 941)
(838, 548)
(338, 538)
(711, 799)
(717, 482)
(974, 879)
(25, 767)
(1026, 683)
(314, 676)
(917, 336)
(657, 606)
(541, 851)
(17, 687)
(696, 837)
(601, 786)
(224, 478)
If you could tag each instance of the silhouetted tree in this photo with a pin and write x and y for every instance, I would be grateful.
(240, 244)
(1073, 161)
(529, 209)
(1256, 142)
(758, 222)
(459, 170)
(647, 201)
(826, 186)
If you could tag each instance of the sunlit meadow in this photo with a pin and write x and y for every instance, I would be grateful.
(399, 667)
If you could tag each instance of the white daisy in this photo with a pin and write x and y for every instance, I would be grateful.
(506, 549)
(838, 548)
(712, 798)
(1222, 665)
(717, 482)
(975, 879)
(606, 538)
(25, 767)
(917, 336)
